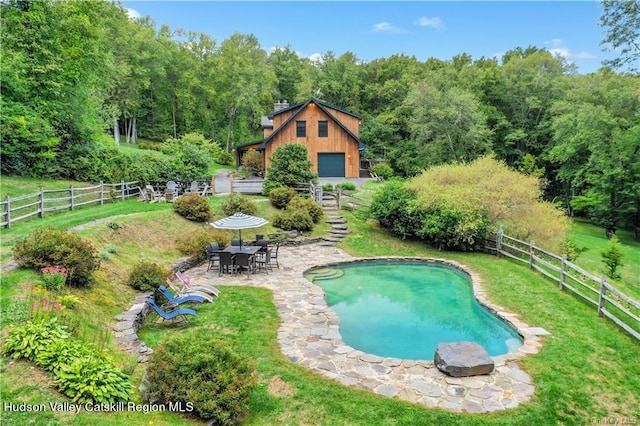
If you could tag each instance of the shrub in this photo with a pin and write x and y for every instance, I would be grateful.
(239, 203)
(53, 277)
(445, 228)
(225, 158)
(383, 170)
(68, 301)
(327, 187)
(347, 186)
(298, 219)
(90, 379)
(570, 248)
(253, 161)
(202, 372)
(193, 207)
(290, 165)
(281, 196)
(395, 207)
(195, 243)
(147, 276)
(313, 208)
(612, 258)
(49, 246)
(83, 374)
(270, 185)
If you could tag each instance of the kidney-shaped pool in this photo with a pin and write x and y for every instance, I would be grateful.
(404, 309)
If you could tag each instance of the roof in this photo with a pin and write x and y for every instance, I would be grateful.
(266, 122)
(317, 102)
(323, 106)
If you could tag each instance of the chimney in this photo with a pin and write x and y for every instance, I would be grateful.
(278, 106)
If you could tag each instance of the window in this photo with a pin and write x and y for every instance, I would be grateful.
(323, 129)
(301, 129)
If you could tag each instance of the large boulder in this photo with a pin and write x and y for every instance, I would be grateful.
(462, 359)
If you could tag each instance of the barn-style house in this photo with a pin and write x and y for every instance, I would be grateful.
(331, 135)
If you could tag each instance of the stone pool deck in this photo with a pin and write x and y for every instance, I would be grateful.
(309, 335)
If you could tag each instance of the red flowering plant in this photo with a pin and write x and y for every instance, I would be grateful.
(53, 277)
(45, 308)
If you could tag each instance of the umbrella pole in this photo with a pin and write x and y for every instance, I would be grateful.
(240, 232)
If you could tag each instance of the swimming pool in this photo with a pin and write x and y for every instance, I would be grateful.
(404, 309)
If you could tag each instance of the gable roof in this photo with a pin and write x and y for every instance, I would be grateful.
(323, 106)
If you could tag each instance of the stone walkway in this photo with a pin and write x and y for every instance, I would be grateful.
(309, 335)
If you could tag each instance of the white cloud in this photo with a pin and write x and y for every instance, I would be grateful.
(425, 21)
(315, 57)
(557, 47)
(386, 27)
(132, 13)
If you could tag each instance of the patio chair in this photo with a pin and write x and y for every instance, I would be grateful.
(152, 194)
(171, 314)
(263, 261)
(170, 195)
(193, 189)
(264, 244)
(142, 195)
(206, 288)
(235, 242)
(176, 301)
(245, 261)
(213, 254)
(185, 291)
(227, 263)
(274, 254)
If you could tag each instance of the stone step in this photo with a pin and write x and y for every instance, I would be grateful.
(325, 274)
(335, 239)
(339, 231)
(342, 226)
(325, 244)
(336, 221)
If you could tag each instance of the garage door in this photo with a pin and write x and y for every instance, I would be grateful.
(331, 164)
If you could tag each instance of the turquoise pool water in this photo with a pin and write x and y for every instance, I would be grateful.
(404, 309)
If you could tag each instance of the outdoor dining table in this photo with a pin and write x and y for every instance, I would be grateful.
(251, 250)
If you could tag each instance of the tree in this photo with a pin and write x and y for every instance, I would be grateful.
(290, 166)
(612, 258)
(447, 123)
(287, 67)
(622, 19)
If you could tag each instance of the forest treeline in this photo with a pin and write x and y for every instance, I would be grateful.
(77, 75)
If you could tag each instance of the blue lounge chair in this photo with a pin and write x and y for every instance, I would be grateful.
(179, 300)
(169, 315)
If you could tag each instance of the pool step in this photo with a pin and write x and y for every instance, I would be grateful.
(325, 274)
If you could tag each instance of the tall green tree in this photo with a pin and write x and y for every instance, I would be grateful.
(621, 18)
(287, 68)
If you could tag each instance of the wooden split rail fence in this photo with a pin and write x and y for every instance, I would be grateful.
(50, 200)
(610, 302)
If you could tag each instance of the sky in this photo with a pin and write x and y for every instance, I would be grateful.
(379, 29)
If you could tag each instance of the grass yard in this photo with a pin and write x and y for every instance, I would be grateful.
(587, 369)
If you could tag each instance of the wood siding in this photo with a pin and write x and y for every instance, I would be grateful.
(337, 141)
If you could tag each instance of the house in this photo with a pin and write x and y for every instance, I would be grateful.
(330, 133)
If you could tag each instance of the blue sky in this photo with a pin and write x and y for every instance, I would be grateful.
(377, 29)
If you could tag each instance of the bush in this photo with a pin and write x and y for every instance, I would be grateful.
(298, 219)
(281, 196)
(193, 207)
(290, 166)
(239, 203)
(225, 158)
(445, 228)
(195, 243)
(347, 186)
(571, 249)
(82, 374)
(395, 207)
(270, 185)
(147, 276)
(383, 170)
(313, 208)
(327, 187)
(201, 371)
(57, 247)
(612, 258)
(253, 161)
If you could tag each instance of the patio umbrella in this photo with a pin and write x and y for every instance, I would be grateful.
(239, 221)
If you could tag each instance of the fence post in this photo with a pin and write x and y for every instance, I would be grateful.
(8, 211)
(231, 183)
(71, 197)
(531, 246)
(338, 198)
(213, 184)
(101, 193)
(499, 241)
(603, 291)
(563, 271)
(122, 189)
(41, 202)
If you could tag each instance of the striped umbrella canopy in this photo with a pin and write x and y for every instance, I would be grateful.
(239, 221)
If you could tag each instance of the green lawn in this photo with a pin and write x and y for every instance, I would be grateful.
(588, 368)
